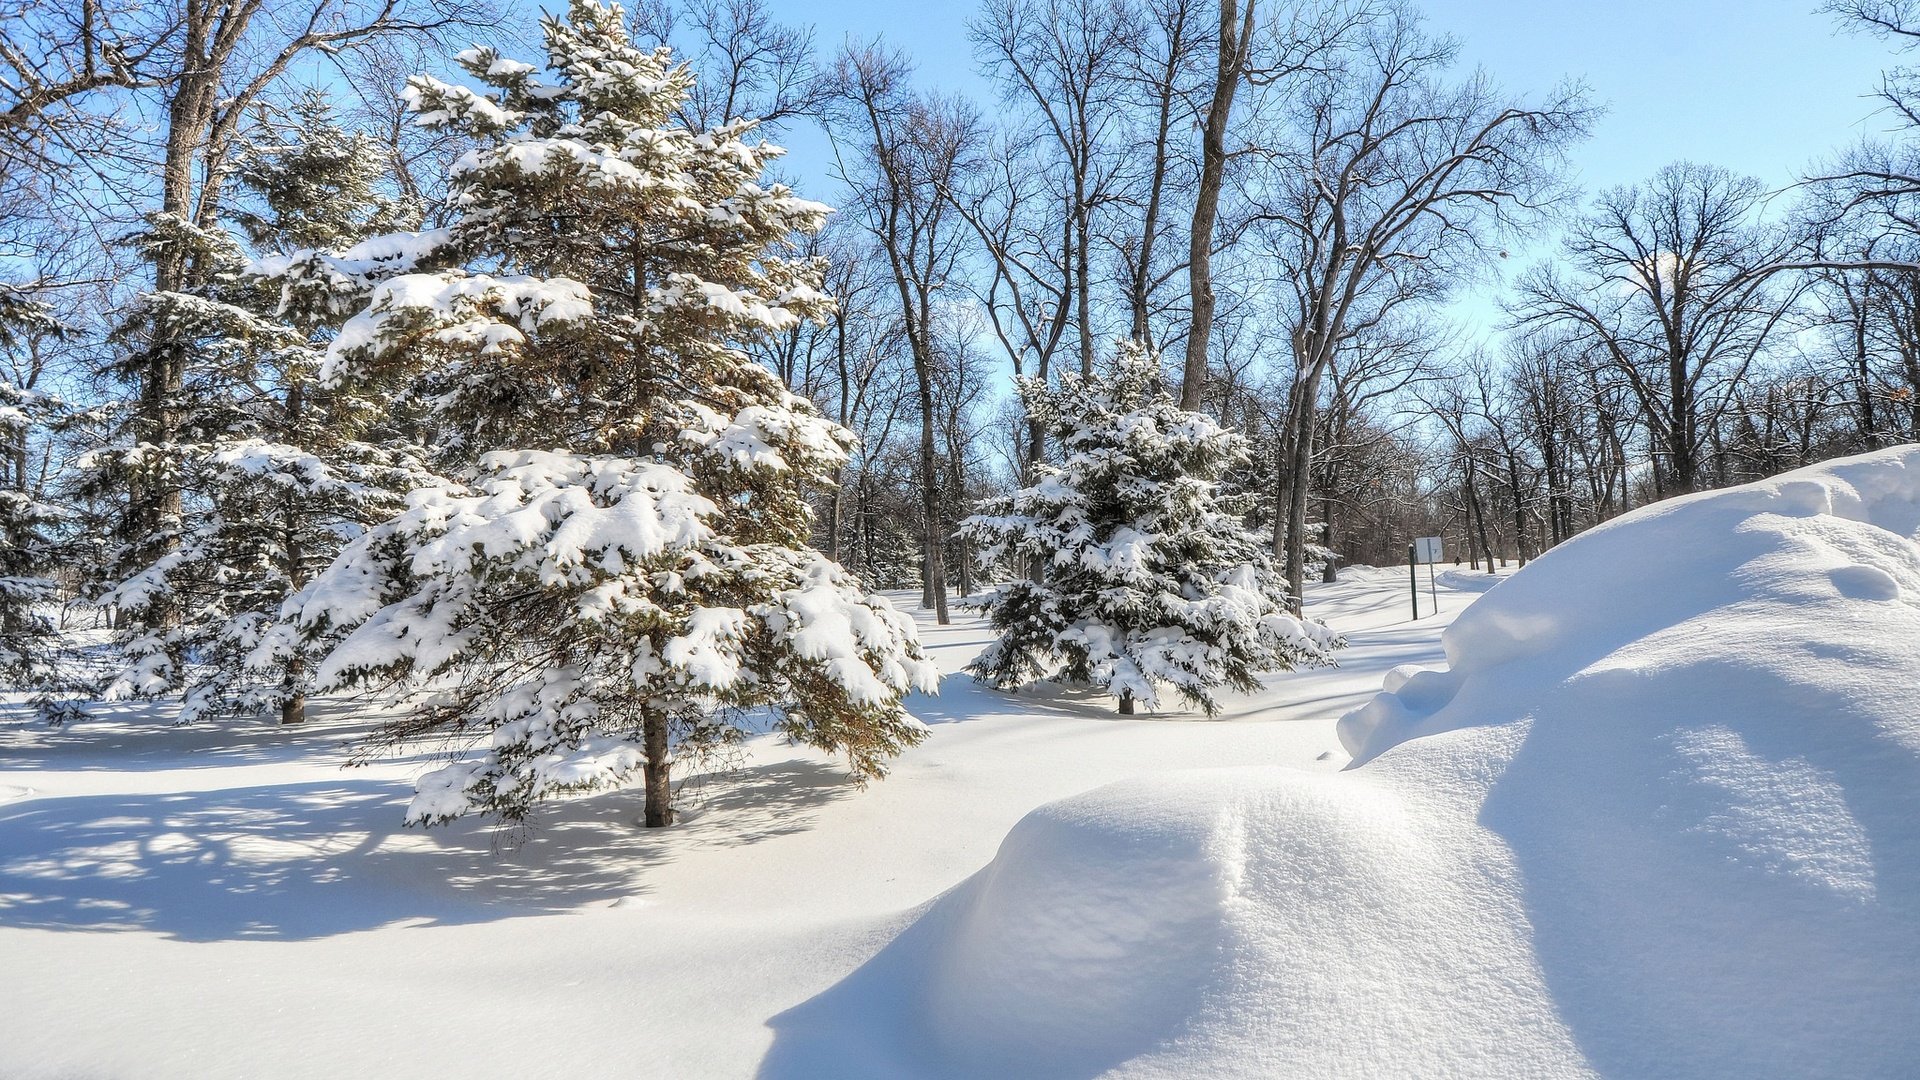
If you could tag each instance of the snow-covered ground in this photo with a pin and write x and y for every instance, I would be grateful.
(230, 902)
(1650, 808)
(1657, 815)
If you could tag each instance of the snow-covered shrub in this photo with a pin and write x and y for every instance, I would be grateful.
(624, 573)
(1145, 575)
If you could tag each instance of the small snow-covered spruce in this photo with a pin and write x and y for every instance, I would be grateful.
(39, 537)
(29, 545)
(274, 473)
(623, 580)
(1150, 577)
(184, 352)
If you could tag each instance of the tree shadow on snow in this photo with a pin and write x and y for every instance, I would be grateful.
(298, 861)
(871, 1024)
(963, 698)
(140, 737)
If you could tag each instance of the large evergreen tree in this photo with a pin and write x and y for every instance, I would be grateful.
(274, 474)
(623, 578)
(1147, 576)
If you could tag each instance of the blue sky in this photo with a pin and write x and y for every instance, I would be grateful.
(1764, 87)
(1760, 86)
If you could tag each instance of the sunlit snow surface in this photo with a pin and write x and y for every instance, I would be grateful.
(1653, 809)
(1658, 814)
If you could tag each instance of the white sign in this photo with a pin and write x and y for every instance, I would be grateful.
(1426, 549)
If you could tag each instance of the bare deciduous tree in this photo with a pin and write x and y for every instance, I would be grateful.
(750, 67)
(899, 153)
(1670, 280)
(1383, 185)
(1058, 62)
(1233, 50)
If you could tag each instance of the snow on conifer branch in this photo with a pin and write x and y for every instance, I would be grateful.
(622, 580)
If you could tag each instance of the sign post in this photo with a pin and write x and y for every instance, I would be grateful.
(1424, 549)
(1413, 582)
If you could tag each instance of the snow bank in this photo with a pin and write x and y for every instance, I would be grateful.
(1659, 816)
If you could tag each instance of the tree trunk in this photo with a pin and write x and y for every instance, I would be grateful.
(956, 476)
(1864, 373)
(1655, 471)
(1479, 516)
(658, 771)
(294, 709)
(1559, 520)
(1141, 281)
(154, 501)
(1282, 495)
(835, 511)
(1684, 460)
(1300, 468)
(1083, 274)
(866, 526)
(1329, 572)
(1234, 27)
(1166, 92)
(837, 500)
(1519, 524)
(1126, 704)
(933, 585)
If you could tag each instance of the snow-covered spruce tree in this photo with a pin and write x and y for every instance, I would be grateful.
(624, 577)
(29, 545)
(38, 535)
(1149, 576)
(274, 474)
(134, 480)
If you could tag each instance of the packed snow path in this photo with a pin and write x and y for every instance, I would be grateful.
(222, 902)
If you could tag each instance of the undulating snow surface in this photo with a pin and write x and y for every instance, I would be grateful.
(1657, 815)
(1651, 809)
(211, 902)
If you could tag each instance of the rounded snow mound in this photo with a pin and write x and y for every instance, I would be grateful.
(1659, 816)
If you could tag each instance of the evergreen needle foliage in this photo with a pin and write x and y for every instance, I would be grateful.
(617, 576)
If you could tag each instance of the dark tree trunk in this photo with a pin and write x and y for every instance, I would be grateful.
(1282, 496)
(1230, 68)
(933, 586)
(1863, 372)
(294, 709)
(835, 511)
(836, 501)
(659, 781)
(1300, 465)
(1478, 515)
(1140, 283)
(1083, 274)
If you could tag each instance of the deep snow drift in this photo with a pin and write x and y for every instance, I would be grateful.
(1658, 816)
